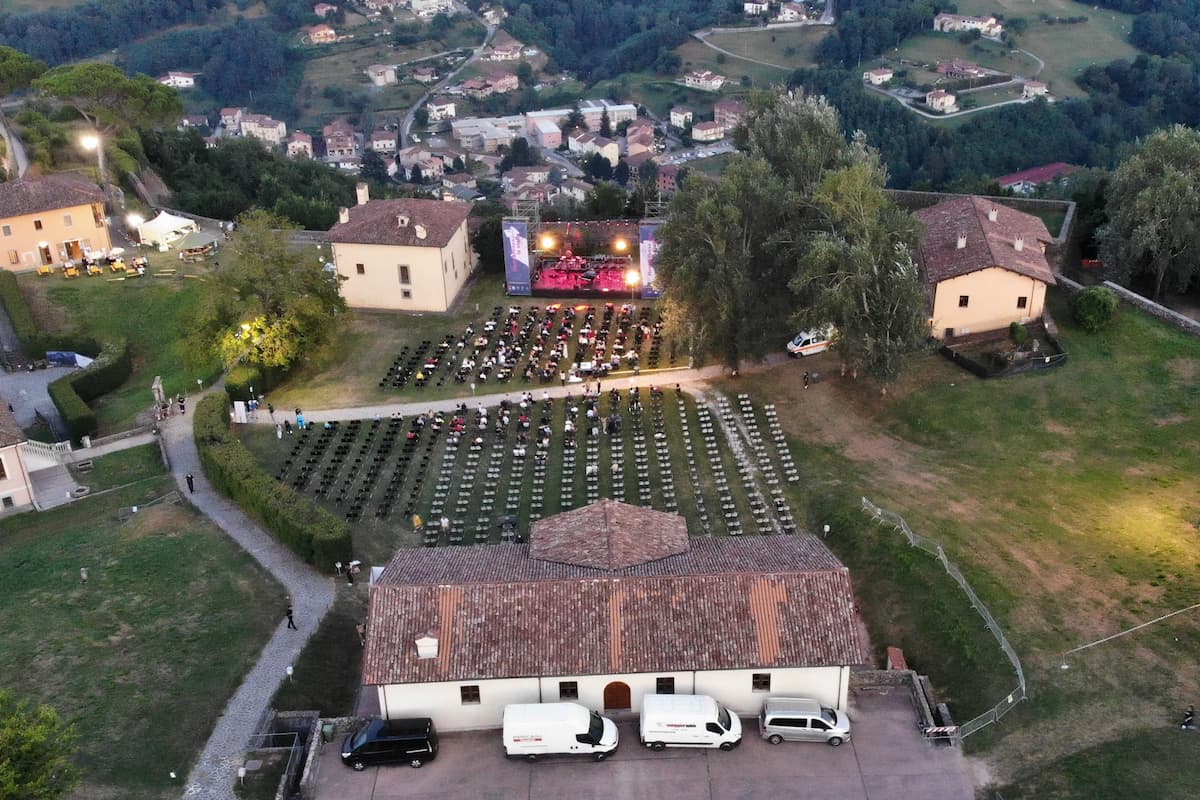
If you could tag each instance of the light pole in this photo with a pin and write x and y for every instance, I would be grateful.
(92, 141)
(135, 223)
(632, 279)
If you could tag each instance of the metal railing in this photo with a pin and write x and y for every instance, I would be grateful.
(928, 545)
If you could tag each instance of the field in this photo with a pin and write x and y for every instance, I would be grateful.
(1066, 49)
(931, 48)
(696, 56)
(787, 48)
(142, 658)
(1069, 498)
(659, 92)
(146, 311)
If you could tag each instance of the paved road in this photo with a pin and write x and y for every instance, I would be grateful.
(406, 124)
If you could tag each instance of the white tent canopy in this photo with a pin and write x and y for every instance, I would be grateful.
(165, 228)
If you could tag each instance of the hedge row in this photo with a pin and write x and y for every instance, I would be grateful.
(309, 530)
(18, 310)
(70, 393)
(239, 380)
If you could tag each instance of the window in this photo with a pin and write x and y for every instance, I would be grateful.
(360, 269)
(8, 502)
(818, 725)
(760, 681)
(406, 294)
(568, 690)
(469, 695)
(664, 686)
(7, 230)
(67, 220)
(788, 722)
(13, 257)
(37, 224)
(405, 277)
(1022, 301)
(963, 301)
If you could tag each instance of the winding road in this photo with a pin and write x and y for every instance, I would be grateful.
(406, 124)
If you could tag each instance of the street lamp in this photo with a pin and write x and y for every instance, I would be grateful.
(547, 242)
(632, 279)
(92, 141)
(134, 221)
(621, 246)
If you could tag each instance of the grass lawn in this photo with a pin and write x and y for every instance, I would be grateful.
(143, 657)
(711, 166)
(789, 48)
(660, 92)
(696, 55)
(1070, 500)
(1066, 49)
(991, 96)
(121, 468)
(146, 311)
(934, 47)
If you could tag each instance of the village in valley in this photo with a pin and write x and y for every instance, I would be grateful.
(477, 398)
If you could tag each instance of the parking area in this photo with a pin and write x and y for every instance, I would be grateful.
(885, 759)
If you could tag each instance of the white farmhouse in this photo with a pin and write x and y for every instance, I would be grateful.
(606, 604)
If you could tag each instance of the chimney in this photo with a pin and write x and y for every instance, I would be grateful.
(364, 193)
(992, 214)
(962, 241)
(343, 215)
(427, 646)
(1019, 244)
(421, 232)
(402, 220)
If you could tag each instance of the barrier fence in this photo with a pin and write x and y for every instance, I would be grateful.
(997, 711)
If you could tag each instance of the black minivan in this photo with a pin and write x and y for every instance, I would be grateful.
(391, 741)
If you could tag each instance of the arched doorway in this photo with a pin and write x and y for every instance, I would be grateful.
(616, 696)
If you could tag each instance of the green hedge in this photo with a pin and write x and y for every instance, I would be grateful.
(70, 393)
(239, 380)
(309, 530)
(17, 308)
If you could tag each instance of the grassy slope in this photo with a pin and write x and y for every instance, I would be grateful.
(142, 658)
(1069, 499)
(772, 46)
(121, 468)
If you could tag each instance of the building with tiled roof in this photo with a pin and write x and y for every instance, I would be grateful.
(264, 128)
(1027, 180)
(49, 219)
(402, 254)
(299, 144)
(613, 603)
(983, 265)
(16, 487)
(728, 113)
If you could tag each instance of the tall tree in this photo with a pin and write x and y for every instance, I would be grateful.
(1153, 205)
(110, 100)
(35, 752)
(271, 303)
(373, 168)
(17, 70)
(606, 129)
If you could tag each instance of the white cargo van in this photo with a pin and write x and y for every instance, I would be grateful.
(532, 730)
(688, 720)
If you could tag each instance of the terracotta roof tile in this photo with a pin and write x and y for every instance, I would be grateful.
(988, 243)
(46, 193)
(378, 222)
(10, 431)
(608, 535)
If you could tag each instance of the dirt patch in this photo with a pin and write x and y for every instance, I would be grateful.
(1057, 428)
(1184, 369)
(160, 520)
(1173, 419)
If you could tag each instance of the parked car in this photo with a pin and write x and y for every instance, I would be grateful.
(799, 719)
(811, 342)
(533, 730)
(391, 741)
(687, 720)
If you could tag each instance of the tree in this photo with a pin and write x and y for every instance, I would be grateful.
(373, 168)
(271, 303)
(606, 201)
(110, 100)
(621, 173)
(647, 174)
(36, 749)
(17, 70)
(421, 117)
(488, 242)
(439, 26)
(415, 176)
(573, 120)
(1153, 205)
(606, 129)
(598, 167)
(525, 73)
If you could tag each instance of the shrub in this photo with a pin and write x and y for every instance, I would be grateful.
(18, 310)
(70, 393)
(239, 380)
(310, 531)
(1019, 334)
(1094, 308)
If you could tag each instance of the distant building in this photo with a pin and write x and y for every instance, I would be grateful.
(440, 108)
(503, 82)
(1027, 180)
(575, 189)
(668, 179)
(1034, 89)
(707, 132)
(382, 5)
(878, 77)
(410, 255)
(452, 179)
(505, 48)
(49, 219)
(940, 101)
(179, 80)
(519, 175)
(194, 121)
(681, 117)
(381, 74)
(586, 143)
(340, 139)
(383, 142)
(728, 113)
(321, 34)
(324, 9)
(477, 88)
(231, 119)
(983, 265)
(494, 15)
(949, 23)
(264, 128)
(430, 8)
(958, 68)
(299, 144)
(424, 75)
(704, 80)
(594, 111)
(754, 9)
(546, 133)
(791, 12)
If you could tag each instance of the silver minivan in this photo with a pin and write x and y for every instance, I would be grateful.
(798, 719)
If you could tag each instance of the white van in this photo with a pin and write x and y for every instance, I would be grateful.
(799, 719)
(532, 730)
(688, 720)
(811, 342)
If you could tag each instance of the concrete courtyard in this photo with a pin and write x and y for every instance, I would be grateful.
(885, 759)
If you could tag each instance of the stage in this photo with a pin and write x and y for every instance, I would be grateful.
(580, 276)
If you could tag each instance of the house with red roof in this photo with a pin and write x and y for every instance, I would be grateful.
(1027, 180)
(606, 604)
(983, 265)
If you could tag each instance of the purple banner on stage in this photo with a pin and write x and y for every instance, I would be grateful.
(648, 252)
(516, 256)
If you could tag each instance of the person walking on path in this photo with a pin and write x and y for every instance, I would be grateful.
(291, 626)
(1189, 719)
(805, 379)
(191, 482)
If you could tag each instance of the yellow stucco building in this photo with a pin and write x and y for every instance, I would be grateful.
(404, 255)
(16, 487)
(984, 266)
(49, 219)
